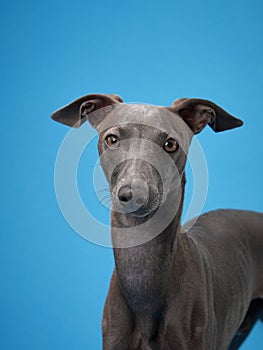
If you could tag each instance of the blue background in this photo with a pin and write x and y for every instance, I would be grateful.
(53, 282)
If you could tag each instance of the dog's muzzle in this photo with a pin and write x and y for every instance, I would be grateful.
(135, 197)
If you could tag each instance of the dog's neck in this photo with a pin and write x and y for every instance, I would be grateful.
(143, 272)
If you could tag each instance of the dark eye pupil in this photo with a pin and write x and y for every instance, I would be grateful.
(112, 141)
(170, 145)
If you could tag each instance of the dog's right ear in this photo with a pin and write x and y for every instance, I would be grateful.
(77, 112)
(197, 113)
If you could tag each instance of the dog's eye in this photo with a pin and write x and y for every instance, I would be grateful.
(112, 141)
(170, 145)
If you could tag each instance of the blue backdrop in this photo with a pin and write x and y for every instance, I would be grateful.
(53, 282)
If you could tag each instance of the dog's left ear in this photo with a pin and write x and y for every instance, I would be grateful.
(197, 113)
(77, 112)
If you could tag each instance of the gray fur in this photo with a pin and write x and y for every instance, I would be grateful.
(200, 287)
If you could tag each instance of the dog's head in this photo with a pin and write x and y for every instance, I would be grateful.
(143, 148)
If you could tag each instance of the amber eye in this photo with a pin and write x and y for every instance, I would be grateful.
(112, 141)
(170, 145)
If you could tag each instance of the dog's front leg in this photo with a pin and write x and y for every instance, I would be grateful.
(118, 326)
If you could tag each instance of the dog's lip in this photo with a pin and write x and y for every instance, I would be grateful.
(141, 204)
(140, 214)
(141, 211)
(144, 210)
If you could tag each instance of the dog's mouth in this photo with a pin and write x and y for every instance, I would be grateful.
(150, 207)
(138, 206)
(144, 212)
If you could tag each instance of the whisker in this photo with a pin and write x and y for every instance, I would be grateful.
(106, 196)
(106, 189)
(105, 200)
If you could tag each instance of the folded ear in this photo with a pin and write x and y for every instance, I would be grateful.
(75, 113)
(197, 113)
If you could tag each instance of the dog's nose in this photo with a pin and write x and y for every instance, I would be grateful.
(131, 196)
(125, 194)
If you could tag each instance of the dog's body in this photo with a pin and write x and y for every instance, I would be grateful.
(216, 272)
(201, 289)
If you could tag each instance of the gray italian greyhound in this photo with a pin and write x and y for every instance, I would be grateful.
(173, 288)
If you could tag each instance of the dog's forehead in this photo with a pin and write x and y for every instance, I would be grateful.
(148, 115)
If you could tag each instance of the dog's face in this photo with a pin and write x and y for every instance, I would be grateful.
(143, 148)
(143, 153)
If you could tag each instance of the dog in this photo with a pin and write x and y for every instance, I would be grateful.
(173, 288)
